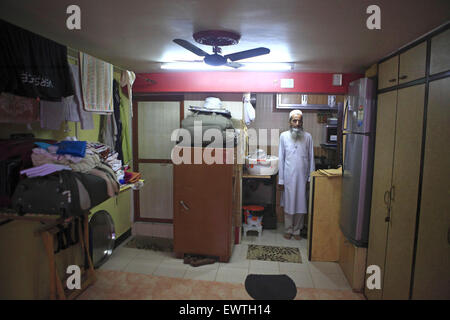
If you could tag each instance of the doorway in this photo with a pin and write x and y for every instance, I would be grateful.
(154, 120)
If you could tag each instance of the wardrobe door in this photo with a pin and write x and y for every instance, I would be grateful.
(413, 63)
(388, 73)
(440, 57)
(382, 174)
(432, 264)
(404, 193)
(202, 209)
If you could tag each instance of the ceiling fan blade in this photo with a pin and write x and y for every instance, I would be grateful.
(247, 54)
(189, 46)
(234, 64)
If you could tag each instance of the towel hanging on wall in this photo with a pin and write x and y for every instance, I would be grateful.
(96, 84)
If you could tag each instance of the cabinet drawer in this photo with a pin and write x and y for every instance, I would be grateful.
(387, 73)
(440, 53)
(413, 63)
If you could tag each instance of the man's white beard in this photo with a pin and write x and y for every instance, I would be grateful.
(297, 133)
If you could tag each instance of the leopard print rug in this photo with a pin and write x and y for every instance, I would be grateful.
(271, 253)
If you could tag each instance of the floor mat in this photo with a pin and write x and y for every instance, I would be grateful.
(150, 243)
(270, 287)
(271, 253)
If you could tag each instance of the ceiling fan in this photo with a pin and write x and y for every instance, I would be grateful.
(217, 39)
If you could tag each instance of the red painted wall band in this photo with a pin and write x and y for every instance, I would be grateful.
(212, 81)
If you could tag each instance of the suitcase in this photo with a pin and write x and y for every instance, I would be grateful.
(208, 120)
(63, 193)
(15, 155)
(211, 121)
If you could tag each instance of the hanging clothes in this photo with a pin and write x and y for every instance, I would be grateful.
(125, 113)
(116, 102)
(108, 130)
(85, 118)
(32, 66)
(96, 84)
(127, 78)
(15, 109)
(52, 114)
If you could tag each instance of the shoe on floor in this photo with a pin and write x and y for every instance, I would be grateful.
(287, 236)
(188, 259)
(297, 237)
(202, 262)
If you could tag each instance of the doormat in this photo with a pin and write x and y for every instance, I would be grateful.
(151, 243)
(270, 287)
(271, 253)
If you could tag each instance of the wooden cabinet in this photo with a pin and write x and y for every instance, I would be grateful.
(395, 189)
(406, 67)
(404, 192)
(409, 236)
(432, 264)
(203, 203)
(382, 182)
(388, 73)
(440, 53)
(323, 220)
(352, 260)
(413, 63)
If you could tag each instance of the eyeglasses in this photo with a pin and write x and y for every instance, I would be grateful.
(297, 121)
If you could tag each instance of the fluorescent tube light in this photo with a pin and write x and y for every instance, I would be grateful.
(255, 66)
(192, 66)
(269, 66)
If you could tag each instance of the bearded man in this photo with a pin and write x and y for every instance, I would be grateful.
(296, 162)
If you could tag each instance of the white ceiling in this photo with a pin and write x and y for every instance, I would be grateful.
(318, 35)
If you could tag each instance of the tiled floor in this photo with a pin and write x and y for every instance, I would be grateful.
(315, 275)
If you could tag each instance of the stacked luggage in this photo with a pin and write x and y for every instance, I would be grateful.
(15, 155)
(210, 116)
(64, 193)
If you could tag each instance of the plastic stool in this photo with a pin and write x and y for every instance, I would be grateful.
(252, 222)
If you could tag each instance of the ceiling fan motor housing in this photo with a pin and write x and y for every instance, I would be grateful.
(217, 38)
(215, 60)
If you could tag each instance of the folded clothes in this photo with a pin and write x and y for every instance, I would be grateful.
(44, 170)
(131, 177)
(43, 145)
(41, 156)
(74, 148)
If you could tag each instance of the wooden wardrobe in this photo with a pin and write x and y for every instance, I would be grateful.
(409, 237)
(203, 203)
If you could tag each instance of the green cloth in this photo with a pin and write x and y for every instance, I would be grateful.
(125, 111)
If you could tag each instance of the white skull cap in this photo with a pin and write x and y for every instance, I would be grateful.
(294, 113)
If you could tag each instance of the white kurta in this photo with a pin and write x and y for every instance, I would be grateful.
(296, 162)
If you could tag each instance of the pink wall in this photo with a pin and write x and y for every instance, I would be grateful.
(304, 82)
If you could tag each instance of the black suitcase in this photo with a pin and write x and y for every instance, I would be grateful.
(64, 193)
(15, 155)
